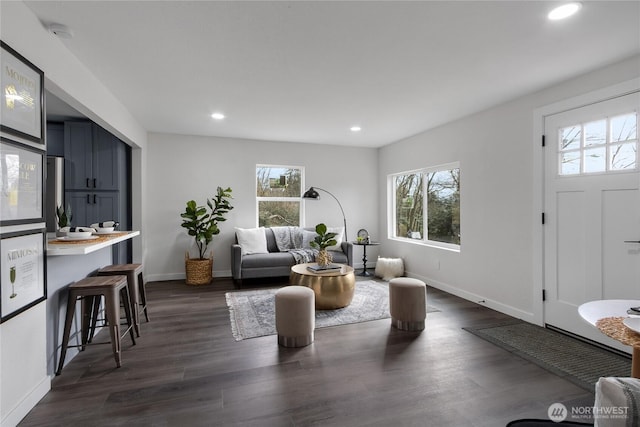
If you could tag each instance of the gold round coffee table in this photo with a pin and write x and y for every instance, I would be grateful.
(333, 289)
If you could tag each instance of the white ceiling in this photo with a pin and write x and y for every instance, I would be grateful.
(306, 71)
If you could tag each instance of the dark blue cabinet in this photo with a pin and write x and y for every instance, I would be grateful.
(90, 207)
(97, 179)
(91, 157)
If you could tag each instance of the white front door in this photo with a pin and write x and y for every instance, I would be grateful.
(592, 208)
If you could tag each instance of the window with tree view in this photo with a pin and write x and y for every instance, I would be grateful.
(609, 144)
(278, 195)
(434, 218)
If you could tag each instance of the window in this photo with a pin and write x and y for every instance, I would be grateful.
(434, 220)
(278, 195)
(605, 145)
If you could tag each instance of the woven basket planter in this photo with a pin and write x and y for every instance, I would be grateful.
(198, 271)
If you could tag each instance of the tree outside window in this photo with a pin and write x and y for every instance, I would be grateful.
(439, 214)
(278, 195)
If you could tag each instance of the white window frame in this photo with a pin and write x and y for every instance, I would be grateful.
(391, 208)
(582, 148)
(280, 199)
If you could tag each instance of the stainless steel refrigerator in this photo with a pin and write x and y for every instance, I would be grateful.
(54, 189)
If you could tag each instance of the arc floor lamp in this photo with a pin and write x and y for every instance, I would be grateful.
(311, 193)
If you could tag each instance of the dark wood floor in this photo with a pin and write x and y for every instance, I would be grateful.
(187, 370)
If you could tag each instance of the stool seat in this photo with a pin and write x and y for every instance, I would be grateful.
(137, 288)
(295, 316)
(408, 303)
(90, 290)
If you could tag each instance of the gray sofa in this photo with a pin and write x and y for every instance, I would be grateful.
(275, 263)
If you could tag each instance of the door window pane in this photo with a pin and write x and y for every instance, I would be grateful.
(623, 156)
(570, 138)
(624, 128)
(595, 133)
(595, 160)
(570, 163)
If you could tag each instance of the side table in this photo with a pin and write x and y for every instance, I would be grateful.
(364, 271)
(607, 316)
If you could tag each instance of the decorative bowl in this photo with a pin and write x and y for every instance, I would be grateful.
(104, 230)
(79, 234)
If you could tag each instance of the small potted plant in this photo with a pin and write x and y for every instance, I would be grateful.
(63, 218)
(202, 224)
(322, 241)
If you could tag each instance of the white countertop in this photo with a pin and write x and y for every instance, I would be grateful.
(78, 248)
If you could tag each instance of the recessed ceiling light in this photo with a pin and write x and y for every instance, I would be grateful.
(217, 116)
(564, 11)
(356, 128)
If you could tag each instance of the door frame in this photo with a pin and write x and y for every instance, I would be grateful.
(539, 115)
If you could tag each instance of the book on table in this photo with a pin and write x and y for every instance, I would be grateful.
(324, 269)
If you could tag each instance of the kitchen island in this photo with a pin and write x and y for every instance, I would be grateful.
(69, 261)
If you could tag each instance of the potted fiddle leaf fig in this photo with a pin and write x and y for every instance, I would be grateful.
(202, 224)
(321, 242)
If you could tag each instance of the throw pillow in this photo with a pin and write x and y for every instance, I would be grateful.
(339, 236)
(307, 238)
(252, 240)
(617, 393)
(389, 268)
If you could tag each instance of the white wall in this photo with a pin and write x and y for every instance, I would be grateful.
(71, 81)
(496, 149)
(23, 376)
(181, 168)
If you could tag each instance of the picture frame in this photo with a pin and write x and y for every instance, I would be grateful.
(22, 97)
(21, 183)
(23, 269)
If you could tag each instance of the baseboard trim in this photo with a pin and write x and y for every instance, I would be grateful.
(15, 415)
(181, 276)
(478, 299)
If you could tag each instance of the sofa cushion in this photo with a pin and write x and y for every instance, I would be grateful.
(268, 260)
(252, 240)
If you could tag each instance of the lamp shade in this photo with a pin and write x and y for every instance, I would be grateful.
(311, 193)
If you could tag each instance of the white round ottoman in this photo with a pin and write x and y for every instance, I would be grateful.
(295, 316)
(408, 303)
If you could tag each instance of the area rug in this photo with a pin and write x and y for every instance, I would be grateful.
(252, 313)
(578, 361)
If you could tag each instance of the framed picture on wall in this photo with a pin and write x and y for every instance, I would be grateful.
(22, 265)
(22, 112)
(21, 183)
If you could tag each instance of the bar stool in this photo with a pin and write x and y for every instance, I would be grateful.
(90, 290)
(137, 288)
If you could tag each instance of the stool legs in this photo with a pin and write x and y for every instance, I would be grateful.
(142, 290)
(90, 291)
(71, 308)
(112, 311)
(137, 289)
(128, 312)
(134, 298)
